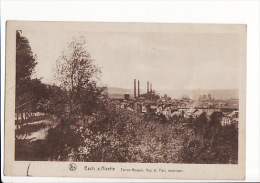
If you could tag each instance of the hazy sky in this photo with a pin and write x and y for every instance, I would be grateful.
(170, 61)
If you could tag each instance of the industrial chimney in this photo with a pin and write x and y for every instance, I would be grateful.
(138, 88)
(134, 88)
(151, 87)
(147, 86)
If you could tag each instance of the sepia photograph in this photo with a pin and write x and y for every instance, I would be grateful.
(128, 93)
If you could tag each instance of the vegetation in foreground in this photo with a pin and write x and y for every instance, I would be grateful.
(123, 137)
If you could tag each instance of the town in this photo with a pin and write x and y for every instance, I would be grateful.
(203, 104)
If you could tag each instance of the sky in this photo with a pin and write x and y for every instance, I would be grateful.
(170, 61)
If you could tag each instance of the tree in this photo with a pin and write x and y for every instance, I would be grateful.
(81, 98)
(25, 59)
(25, 64)
(77, 74)
(201, 124)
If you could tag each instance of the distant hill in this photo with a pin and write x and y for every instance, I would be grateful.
(224, 94)
(115, 92)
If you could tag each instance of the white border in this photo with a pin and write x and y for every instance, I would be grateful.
(235, 12)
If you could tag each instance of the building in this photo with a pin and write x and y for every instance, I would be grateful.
(153, 108)
(209, 113)
(198, 113)
(127, 97)
(143, 108)
(226, 120)
(204, 96)
(231, 118)
(235, 122)
(176, 113)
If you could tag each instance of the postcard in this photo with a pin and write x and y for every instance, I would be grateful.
(125, 100)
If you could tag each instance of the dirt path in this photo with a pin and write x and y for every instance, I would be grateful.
(39, 134)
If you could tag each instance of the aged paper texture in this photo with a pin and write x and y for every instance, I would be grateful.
(126, 100)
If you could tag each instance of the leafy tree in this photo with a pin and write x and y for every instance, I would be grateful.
(53, 101)
(61, 140)
(201, 124)
(209, 142)
(25, 64)
(225, 144)
(80, 100)
(77, 74)
(25, 59)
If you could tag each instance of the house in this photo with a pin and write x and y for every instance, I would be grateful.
(143, 108)
(153, 108)
(198, 113)
(188, 114)
(222, 104)
(226, 120)
(191, 110)
(176, 113)
(167, 112)
(209, 113)
(234, 114)
(229, 119)
(235, 122)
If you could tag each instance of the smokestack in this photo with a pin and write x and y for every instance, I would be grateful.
(134, 88)
(147, 86)
(138, 88)
(151, 87)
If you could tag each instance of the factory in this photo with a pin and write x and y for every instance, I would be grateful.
(139, 102)
(152, 103)
(149, 95)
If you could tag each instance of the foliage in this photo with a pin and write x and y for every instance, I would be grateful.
(62, 139)
(124, 136)
(78, 74)
(76, 102)
(55, 101)
(27, 150)
(25, 64)
(25, 60)
(28, 91)
(209, 142)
